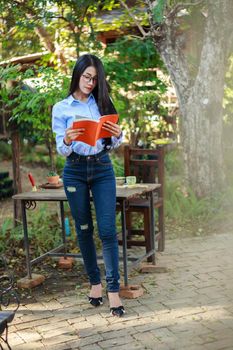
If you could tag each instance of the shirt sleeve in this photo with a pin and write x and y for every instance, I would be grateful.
(116, 141)
(59, 126)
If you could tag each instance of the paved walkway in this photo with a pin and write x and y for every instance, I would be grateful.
(189, 307)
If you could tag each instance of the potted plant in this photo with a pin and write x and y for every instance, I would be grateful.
(52, 177)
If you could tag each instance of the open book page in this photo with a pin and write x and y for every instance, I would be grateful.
(81, 117)
(112, 118)
(93, 128)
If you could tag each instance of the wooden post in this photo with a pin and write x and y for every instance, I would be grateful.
(126, 160)
(14, 134)
(16, 173)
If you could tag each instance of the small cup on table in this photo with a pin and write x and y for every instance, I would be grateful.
(120, 180)
(131, 180)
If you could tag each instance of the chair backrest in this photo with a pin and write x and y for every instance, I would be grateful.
(146, 164)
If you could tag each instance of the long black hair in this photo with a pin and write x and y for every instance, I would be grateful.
(101, 90)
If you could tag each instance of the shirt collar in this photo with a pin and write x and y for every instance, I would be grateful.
(70, 99)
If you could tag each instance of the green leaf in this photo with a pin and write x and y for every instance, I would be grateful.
(158, 11)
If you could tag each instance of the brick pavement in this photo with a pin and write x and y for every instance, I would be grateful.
(188, 307)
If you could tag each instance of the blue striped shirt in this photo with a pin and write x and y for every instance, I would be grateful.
(63, 115)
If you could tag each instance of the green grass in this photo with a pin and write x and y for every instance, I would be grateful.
(185, 213)
(182, 203)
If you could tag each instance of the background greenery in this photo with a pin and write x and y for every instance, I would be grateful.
(138, 90)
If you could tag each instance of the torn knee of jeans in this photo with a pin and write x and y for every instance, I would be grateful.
(71, 189)
(84, 227)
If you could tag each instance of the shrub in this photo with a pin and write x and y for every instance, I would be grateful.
(5, 151)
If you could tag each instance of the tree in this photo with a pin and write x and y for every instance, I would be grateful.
(131, 65)
(194, 41)
(197, 73)
(30, 98)
(22, 22)
(53, 25)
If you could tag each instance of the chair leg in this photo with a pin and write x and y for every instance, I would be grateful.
(161, 242)
(146, 230)
(6, 339)
(128, 221)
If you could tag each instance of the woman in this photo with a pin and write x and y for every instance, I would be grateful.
(89, 168)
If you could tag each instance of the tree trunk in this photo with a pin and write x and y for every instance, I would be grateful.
(200, 96)
(50, 147)
(45, 38)
(47, 41)
(16, 173)
(202, 115)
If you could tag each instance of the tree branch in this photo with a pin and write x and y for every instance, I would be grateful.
(180, 6)
(168, 45)
(142, 31)
(24, 6)
(155, 28)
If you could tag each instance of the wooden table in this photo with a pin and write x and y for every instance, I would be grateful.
(28, 201)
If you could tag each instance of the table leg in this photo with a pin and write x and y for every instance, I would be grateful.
(63, 226)
(124, 243)
(26, 240)
(152, 236)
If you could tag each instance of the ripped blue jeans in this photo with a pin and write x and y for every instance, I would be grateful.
(82, 175)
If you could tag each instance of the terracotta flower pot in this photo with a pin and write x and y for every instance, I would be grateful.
(53, 179)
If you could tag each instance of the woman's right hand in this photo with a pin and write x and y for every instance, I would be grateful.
(71, 134)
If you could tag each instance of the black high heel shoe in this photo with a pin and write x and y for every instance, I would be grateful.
(95, 301)
(118, 311)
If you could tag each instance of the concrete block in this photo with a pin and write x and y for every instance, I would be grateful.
(27, 282)
(131, 291)
(148, 268)
(65, 263)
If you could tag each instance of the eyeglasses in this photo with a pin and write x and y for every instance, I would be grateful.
(90, 79)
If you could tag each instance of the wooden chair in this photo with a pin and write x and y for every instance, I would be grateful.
(148, 167)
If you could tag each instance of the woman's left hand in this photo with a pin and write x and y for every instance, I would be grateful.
(113, 128)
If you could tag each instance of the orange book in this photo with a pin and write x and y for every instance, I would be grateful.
(93, 128)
